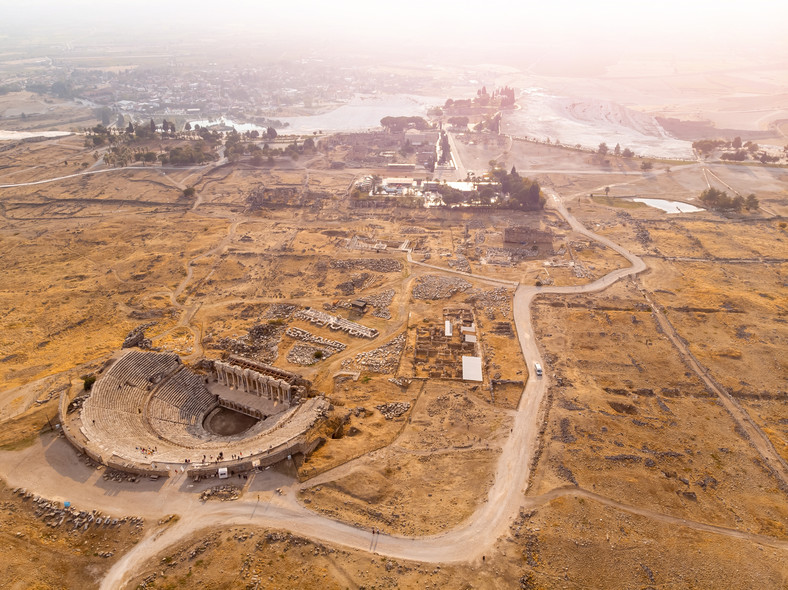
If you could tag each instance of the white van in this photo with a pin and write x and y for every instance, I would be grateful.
(538, 369)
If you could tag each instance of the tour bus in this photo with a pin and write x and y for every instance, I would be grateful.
(538, 369)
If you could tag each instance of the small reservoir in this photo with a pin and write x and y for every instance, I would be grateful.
(669, 206)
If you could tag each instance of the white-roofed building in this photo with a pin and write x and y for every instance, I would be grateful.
(472, 368)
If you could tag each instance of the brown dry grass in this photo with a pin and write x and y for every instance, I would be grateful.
(631, 422)
(35, 555)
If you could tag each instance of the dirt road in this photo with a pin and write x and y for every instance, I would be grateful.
(52, 477)
(490, 520)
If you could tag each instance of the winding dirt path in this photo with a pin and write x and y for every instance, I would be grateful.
(757, 437)
(467, 542)
(490, 520)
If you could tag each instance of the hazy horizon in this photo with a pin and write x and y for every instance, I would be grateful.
(564, 32)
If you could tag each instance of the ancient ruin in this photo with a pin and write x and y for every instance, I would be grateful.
(335, 323)
(149, 413)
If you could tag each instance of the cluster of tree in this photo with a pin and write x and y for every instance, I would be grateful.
(716, 199)
(235, 148)
(603, 150)
(523, 192)
(737, 156)
(400, 124)
(706, 146)
(265, 122)
(461, 122)
(766, 158)
(500, 97)
(505, 96)
(491, 123)
(452, 196)
(464, 103)
(444, 152)
(187, 155)
(743, 150)
(97, 136)
(209, 136)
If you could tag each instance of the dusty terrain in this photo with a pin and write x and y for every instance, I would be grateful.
(636, 473)
(39, 552)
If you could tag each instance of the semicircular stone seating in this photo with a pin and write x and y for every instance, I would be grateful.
(148, 407)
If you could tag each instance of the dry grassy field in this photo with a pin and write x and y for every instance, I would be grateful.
(636, 455)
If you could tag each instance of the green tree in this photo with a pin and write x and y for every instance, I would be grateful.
(270, 133)
(752, 203)
(646, 165)
(602, 150)
(88, 381)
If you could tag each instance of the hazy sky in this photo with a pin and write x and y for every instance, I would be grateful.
(567, 26)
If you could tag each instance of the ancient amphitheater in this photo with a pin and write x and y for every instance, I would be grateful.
(149, 413)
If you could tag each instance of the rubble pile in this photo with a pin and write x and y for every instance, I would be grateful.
(303, 335)
(503, 329)
(224, 493)
(393, 410)
(136, 338)
(382, 313)
(461, 263)
(412, 229)
(76, 403)
(356, 281)
(642, 235)
(457, 405)
(400, 381)
(114, 475)
(336, 323)
(499, 299)
(374, 264)
(280, 311)
(54, 515)
(261, 343)
(381, 302)
(438, 287)
(306, 355)
(384, 359)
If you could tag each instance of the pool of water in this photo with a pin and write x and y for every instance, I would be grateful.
(669, 206)
(363, 112)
